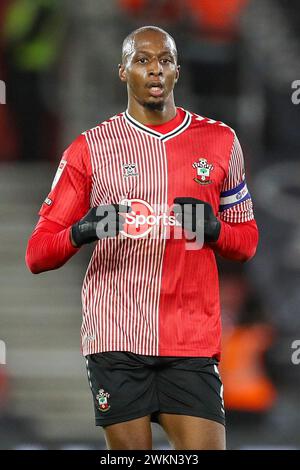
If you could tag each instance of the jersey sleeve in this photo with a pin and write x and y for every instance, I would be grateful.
(49, 246)
(69, 198)
(235, 200)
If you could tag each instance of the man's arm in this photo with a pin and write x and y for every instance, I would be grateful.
(233, 234)
(238, 238)
(49, 246)
(66, 219)
(237, 241)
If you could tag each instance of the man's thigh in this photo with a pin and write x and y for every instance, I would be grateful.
(192, 433)
(135, 434)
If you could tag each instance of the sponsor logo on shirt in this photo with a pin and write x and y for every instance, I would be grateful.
(157, 222)
(144, 219)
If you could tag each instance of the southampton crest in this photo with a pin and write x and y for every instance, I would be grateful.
(203, 171)
(102, 399)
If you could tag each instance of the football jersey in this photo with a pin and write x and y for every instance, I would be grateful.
(148, 290)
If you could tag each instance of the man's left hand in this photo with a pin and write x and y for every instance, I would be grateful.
(189, 219)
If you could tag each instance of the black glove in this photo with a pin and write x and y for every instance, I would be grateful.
(188, 218)
(100, 222)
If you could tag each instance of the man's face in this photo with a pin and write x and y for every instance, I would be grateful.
(150, 69)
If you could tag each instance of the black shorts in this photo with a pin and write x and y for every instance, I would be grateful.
(127, 386)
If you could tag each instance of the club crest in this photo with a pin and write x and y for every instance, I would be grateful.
(102, 399)
(203, 169)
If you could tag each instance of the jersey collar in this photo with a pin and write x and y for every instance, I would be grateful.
(163, 137)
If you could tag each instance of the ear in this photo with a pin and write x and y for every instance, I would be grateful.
(122, 73)
(177, 73)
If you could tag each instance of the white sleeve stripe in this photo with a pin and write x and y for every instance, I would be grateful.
(236, 167)
(242, 211)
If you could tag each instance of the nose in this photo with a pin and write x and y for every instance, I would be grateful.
(155, 68)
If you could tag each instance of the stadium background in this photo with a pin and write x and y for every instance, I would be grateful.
(58, 60)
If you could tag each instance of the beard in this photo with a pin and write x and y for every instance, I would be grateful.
(159, 106)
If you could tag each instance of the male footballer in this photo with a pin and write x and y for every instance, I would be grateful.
(141, 184)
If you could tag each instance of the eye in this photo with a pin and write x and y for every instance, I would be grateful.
(142, 60)
(165, 61)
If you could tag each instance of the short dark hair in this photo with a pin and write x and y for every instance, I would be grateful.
(128, 41)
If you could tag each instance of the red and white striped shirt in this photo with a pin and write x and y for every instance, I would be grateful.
(150, 295)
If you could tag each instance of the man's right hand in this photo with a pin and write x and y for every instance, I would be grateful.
(100, 222)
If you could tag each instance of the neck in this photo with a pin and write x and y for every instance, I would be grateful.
(152, 116)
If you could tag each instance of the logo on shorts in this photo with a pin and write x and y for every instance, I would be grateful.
(102, 399)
